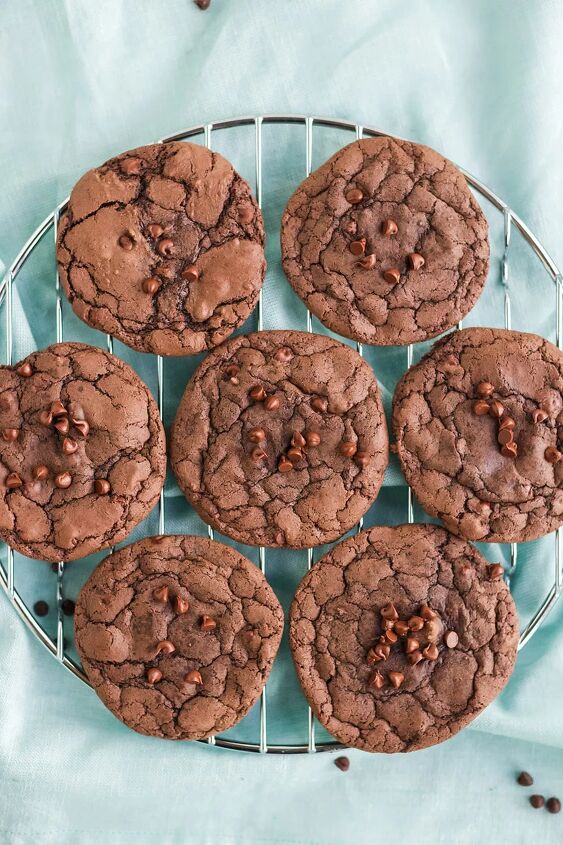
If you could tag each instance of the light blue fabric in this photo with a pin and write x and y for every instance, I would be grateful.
(479, 80)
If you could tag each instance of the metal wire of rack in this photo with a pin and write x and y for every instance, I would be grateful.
(56, 646)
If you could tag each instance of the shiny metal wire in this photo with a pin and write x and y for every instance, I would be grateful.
(57, 646)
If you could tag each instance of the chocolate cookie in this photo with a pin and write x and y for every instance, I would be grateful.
(162, 248)
(401, 636)
(280, 439)
(385, 243)
(82, 452)
(479, 423)
(177, 635)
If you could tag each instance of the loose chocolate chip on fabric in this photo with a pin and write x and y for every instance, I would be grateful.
(416, 261)
(368, 262)
(181, 605)
(485, 389)
(553, 805)
(496, 571)
(354, 196)
(283, 354)
(284, 465)
(259, 454)
(358, 247)
(271, 403)
(131, 166)
(41, 608)
(509, 450)
(539, 415)
(154, 676)
(207, 623)
(451, 639)
(396, 679)
(416, 623)
(389, 611)
(13, 480)
(161, 594)
(552, 455)
(537, 801)
(193, 677)
(25, 370)
(155, 230)
(67, 607)
(496, 409)
(102, 486)
(319, 404)
(430, 652)
(62, 425)
(165, 647)
(348, 448)
(342, 763)
(81, 426)
(203, 4)
(480, 408)
(191, 273)
(69, 446)
(151, 286)
(258, 393)
(63, 480)
(126, 243)
(256, 435)
(165, 247)
(525, 779)
(41, 472)
(389, 227)
(10, 434)
(377, 681)
(392, 275)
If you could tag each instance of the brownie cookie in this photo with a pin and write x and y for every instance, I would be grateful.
(385, 243)
(401, 636)
(280, 439)
(479, 423)
(177, 635)
(162, 248)
(82, 452)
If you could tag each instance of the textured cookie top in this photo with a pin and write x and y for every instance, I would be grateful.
(162, 248)
(478, 424)
(385, 243)
(280, 439)
(448, 627)
(177, 635)
(82, 452)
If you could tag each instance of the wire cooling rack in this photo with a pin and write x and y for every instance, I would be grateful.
(310, 130)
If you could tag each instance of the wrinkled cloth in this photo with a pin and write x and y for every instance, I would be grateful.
(81, 80)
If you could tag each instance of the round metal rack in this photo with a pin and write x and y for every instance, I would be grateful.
(309, 129)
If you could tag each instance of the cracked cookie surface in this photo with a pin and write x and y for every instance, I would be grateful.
(160, 590)
(335, 252)
(280, 439)
(82, 452)
(336, 617)
(451, 456)
(162, 247)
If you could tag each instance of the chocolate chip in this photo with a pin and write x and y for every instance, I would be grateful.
(427, 613)
(58, 409)
(102, 486)
(63, 480)
(10, 434)
(342, 763)
(245, 214)
(294, 454)
(62, 425)
(368, 263)
(207, 623)
(537, 801)
(414, 657)
(126, 242)
(155, 230)
(193, 677)
(416, 623)
(390, 636)
(69, 446)
(154, 675)
(496, 409)
(271, 403)
(396, 679)
(191, 273)
(354, 196)
(496, 571)
(231, 370)
(298, 440)
(392, 275)
(553, 805)
(161, 594)
(348, 448)
(485, 389)
(552, 455)
(389, 611)
(389, 227)
(319, 404)
(13, 480)
(362, 459)
(165, 647)
(312, 438)
(283, 354)
(81, 426)
(41, 608)
(416, 261)
(525, 779)
(41, 472)
(358, 247)
(381, 651)
(505, 436)
(377, 681)
(430, 652)
(284, 465)
(258, 393)
(258, 454)
(45, 418)
(506, 422)
(451, 639)
(25, 370)
(539, 415)
(151, 286)
(411, 645)
(203, 4)
(401, 628)
(165, 247)
(509, 450)
(131, 166)
(256, 435)
(181, 605)
(280, 538)
(480, 408)
(67, 607)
